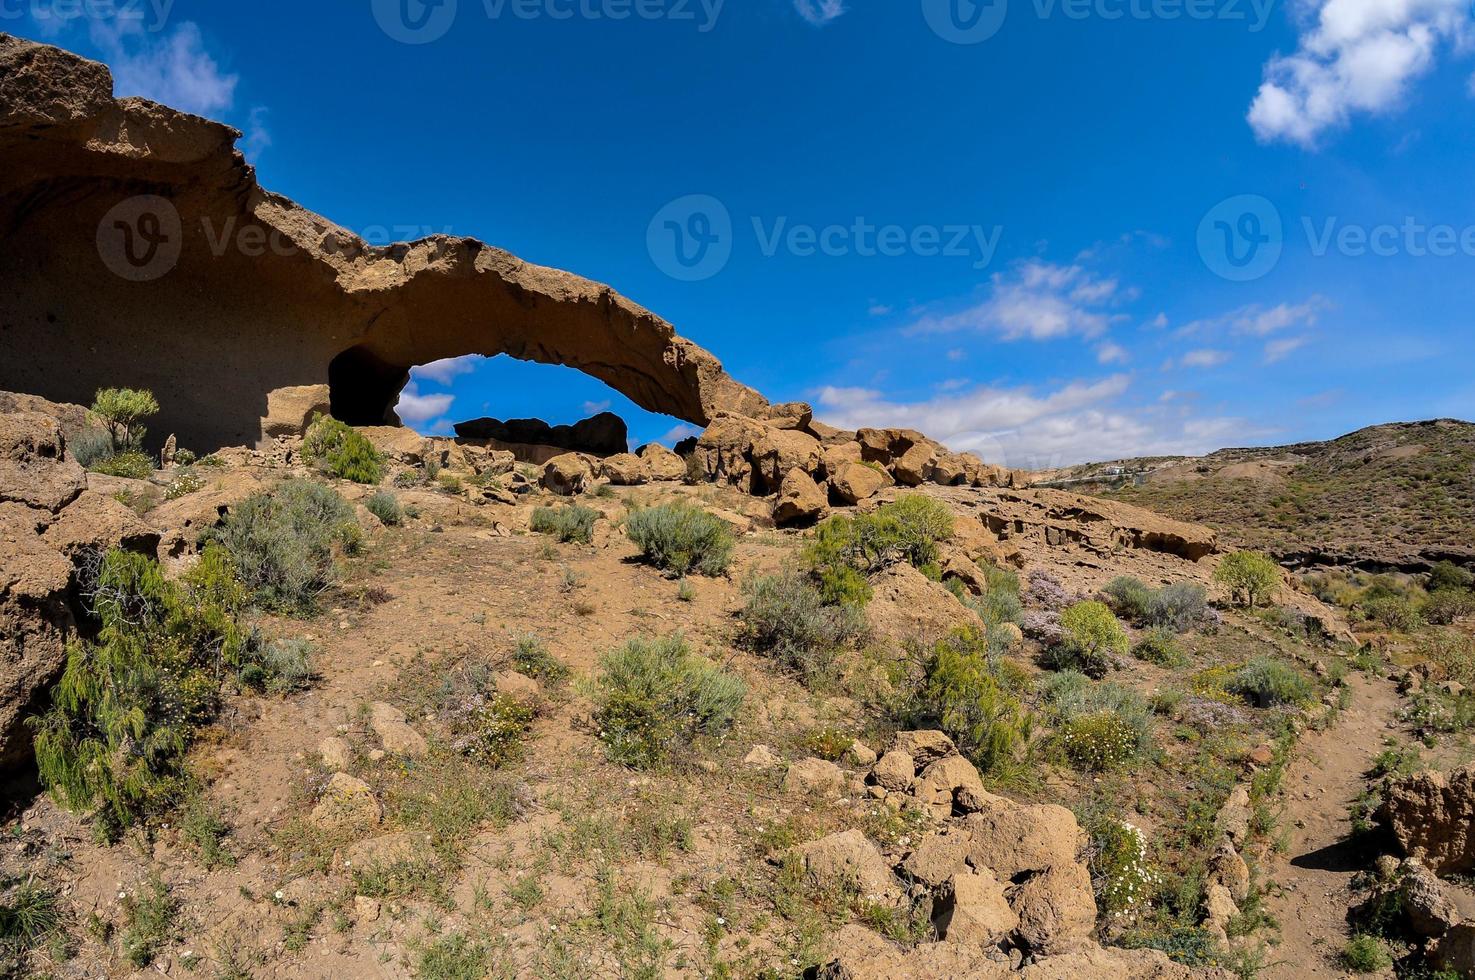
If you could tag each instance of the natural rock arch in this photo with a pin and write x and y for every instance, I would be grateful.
(264, 295)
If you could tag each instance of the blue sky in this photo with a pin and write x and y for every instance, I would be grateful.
(1097, 228)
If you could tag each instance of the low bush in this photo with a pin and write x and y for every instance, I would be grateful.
(90, 446)
(342, 451)
(1000, 601)
(654, 696)
(845, 549)
(1178, 607)
(1160, 646)
(531, 657)
(569, 523)
(127, 705)
(1266, 683)
(1448, 575)
(131, 465)
(284, 543)
(385, 506)
(1394, 613)
(976, 699)
(150, 922)
(1250, 576)
(680, 538)
(1444, 606)
(493, 730)
(1101, 727)
(1366, 954)
(1129, 597)
(1093, 639)
(279, 667)
(1122, 875)
(786, 617)
(29, 915)
(1045, 592)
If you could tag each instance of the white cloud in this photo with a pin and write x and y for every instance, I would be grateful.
(1018, 428)
(1159, 322)
(1258, 321)
(1279, 350)
(258, 138)
(447, 370)
(1036, 301)
(819, 12)
(417, 410)
(1204, 358)
(957, 354)
(879, 309)
(594, 408)
(172, 68)
(678, 433)
(1358, 56)
(1110, 353)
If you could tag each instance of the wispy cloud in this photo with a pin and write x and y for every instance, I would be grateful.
(1019, 428)
(258, 137)
(1110, 353)
(1203, 358)
(1035, 301)
(447, 370)
(173, 68)
(417, 410)
(1279, 350)
(594, 408)
(819, 12)
(1358, 56)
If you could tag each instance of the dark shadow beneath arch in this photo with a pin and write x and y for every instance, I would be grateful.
(363, 388)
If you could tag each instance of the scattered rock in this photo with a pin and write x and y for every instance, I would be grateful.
(895, 771)
(800, 500)
(951, 783)
(848, 858)
(861, 754)
(661, 463)
(971, 909)
(336, 753)
(1056, 908)
(761, 757)
(1432, 817)
(625, 470)
(398, 737)
(1233, 819)
(813, 775)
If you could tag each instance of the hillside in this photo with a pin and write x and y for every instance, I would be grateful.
(1399, 495)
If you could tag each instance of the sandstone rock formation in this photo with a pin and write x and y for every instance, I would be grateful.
(84, 171)
(602, 435)
(1432, 816)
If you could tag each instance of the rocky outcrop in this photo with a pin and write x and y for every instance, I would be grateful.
(603, 435)
(177, 307)
(1432, 816)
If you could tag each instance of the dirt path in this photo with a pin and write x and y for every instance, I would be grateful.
(1315, 873)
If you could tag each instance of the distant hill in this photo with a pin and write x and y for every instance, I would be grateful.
(1397, 495)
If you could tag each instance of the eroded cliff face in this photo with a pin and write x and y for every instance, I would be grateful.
(138, 249)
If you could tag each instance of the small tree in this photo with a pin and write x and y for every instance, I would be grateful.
(1251, 577)
(122, 410)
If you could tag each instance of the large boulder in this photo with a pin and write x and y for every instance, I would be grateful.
(1056, 909)
(854, 482)
(625, 470)
(290, 410)
(914, 466)
(661, 463)
(848, 859)
(1432, 816)
(971, 909)
(568, 475)
(800, 500)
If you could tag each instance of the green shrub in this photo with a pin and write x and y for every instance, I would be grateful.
(342, 451)
(90, 446)
(123, 410)
(785, 616)
(149, 922)
(1124, 878)
(126, 707)
(975, 698)
(1100, 742)
(1444, 606)
(385, 506)
(454, 957)
(845, 549)
(653, 696)
(492, 732)
(1448, 575)
(130, 465)
(1129, 597)
(1160, 646)
(1266, 683)
(1101, 727)
(29, 914)
(279, 667)
(569, 523)
(1177, 607)
(284, 542)
(1250, 576)
(1093, 639)
(680, 538)
(1000, 601)
(531, 657)
(1366, 954)
(1394, 613)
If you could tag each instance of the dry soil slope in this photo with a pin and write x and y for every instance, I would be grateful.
(1391, 495)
